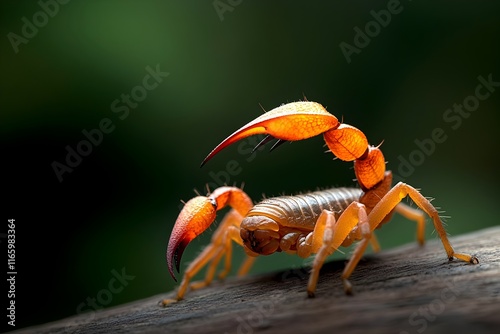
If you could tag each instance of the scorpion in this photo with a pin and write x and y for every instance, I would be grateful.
(312, 223)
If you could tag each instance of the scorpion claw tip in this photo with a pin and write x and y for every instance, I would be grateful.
(174, 255)
(205, 161)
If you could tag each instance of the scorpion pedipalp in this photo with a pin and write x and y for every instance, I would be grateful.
(197, 214)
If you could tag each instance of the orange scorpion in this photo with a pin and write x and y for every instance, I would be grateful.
(313, 223)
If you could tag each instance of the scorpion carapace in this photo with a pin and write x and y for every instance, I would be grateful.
(315, 223)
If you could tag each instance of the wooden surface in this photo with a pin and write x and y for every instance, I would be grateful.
(404, 290)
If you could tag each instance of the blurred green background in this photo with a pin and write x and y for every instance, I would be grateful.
(115, 210)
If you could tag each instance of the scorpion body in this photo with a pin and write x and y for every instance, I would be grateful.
(284, 223)
(315, 223)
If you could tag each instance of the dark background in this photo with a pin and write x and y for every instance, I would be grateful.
(115, 210)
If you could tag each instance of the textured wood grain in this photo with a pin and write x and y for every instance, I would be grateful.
(405, 290)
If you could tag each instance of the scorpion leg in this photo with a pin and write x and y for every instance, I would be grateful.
(366, 234)
(195, 266)
(374, 243)
(393, 198)
(210, 271)
(335, 232)
(246, 265)
(416, 215)
(229, 231)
